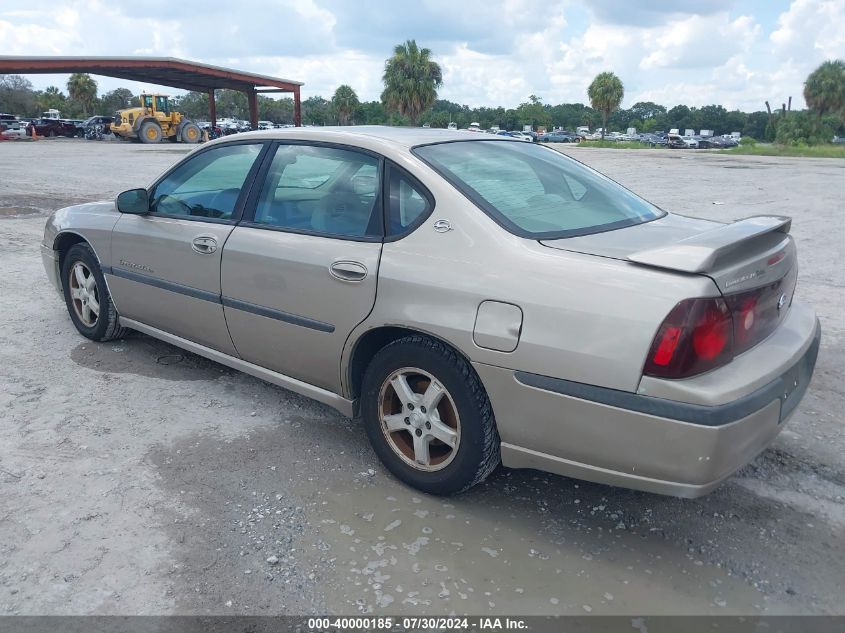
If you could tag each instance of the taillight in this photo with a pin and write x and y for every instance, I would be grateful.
(702, 334)
(697, 336)
(758, 312)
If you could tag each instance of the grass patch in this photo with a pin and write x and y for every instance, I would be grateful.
(616, 144)
(772, 149)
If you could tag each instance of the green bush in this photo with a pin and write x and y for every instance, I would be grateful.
(802, 128)
(748, 140)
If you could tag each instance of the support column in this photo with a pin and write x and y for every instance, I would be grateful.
(252, 97)
(212, 108)
(297, 108)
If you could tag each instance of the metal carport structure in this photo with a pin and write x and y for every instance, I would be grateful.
(164, 71)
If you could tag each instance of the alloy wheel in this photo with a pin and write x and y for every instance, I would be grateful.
(84, 294)
(419, 419)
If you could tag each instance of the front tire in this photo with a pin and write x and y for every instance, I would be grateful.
(87, 297)
(428, 417)
(150, 132)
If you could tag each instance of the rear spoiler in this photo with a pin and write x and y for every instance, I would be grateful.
(698, 254)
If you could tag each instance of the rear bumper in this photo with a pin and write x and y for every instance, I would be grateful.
(638, 441)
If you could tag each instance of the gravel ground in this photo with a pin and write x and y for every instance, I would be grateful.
(136, 478)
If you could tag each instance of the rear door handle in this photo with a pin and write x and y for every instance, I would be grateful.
(348, 271)
(204, 244)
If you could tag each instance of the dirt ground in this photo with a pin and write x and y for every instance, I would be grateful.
(136, 478)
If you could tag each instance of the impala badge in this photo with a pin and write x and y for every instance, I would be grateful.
(781, 301)
(442, 226)
(127, 264)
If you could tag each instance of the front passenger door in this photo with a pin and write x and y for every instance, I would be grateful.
(166, 264)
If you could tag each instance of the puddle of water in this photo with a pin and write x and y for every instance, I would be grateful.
(145, 356)
(401, 552)
(309, 491)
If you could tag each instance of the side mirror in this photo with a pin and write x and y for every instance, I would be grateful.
(134, 201)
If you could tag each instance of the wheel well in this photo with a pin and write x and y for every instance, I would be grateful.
(63, 242)
(140, 121)
(372, 342)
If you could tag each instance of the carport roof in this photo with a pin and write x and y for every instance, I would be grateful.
(163, 71)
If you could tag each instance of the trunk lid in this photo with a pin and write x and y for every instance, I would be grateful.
(744, 255)
(751, 261)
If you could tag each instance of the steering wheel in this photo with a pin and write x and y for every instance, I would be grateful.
(227, 198)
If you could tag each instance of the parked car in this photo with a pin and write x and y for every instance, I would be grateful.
(676, 141)
(51, 127)
(558, 137)
(703, 142)
(522, 136)
(213, 131)
(517, 135)
(9, 123)
(838, 140)
(574, 327)
(104, 121)
(652, 139)
(722, 142)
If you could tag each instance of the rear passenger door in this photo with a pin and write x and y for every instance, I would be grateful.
(300, 271)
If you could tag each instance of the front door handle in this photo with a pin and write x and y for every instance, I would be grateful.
(204, 244)
(348, 271)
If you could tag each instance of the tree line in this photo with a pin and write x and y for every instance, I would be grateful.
(411, 80)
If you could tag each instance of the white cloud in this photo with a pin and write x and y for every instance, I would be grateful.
(493, 52)
(698, 41)
(811, 29)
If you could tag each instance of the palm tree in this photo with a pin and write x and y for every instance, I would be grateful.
(411, 80)
(83, 90)
(824, 90)
(345, 101)
(605, 95)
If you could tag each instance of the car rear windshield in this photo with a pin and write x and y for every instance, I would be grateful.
(534, 191)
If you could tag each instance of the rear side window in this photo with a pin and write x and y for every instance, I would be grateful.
(325, 190)
(534, 191)
(408, 201)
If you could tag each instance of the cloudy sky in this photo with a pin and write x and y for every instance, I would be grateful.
(493, 52)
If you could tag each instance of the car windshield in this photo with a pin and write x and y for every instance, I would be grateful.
(534, 191)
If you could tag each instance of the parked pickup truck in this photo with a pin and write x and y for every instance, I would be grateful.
(52, 127)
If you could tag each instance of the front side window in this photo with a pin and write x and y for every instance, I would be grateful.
(535, 191)
(325, 190)
(207, 185)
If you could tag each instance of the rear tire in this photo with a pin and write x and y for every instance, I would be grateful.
(87, 297)
(150, 132)
(402, 431)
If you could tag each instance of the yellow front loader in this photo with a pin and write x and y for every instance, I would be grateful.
(153, 121)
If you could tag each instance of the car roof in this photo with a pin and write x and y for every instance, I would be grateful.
(366, 135)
